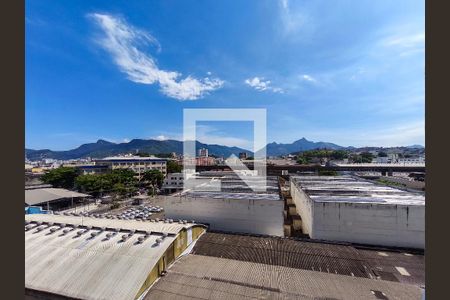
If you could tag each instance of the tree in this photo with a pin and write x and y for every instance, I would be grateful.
(366, 157)
(120, 181)
(154, 177)
(303, 160)
(339, 154)
(173, 167)
(62, 177)
(382, 154)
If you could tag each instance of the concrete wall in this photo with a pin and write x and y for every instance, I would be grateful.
(304, 207)
(375, 224)
(365, 223)
(236, 215)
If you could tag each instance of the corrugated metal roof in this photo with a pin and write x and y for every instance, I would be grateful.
(160, 226)
(91, 267)
(37, 196)
(353, 190)
(323, 257)
(204, 277)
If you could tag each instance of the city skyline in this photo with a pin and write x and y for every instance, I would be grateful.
(347, 73)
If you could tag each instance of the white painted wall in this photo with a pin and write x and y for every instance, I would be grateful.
(237, 215)
(304, 207)
(375, 224)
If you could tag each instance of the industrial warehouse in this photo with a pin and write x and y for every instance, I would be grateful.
(233, 266)
(349, 209)
(73, 257)
(235, 208)
(244, 252)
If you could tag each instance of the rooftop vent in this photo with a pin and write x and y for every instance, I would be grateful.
(125, 237)
(94, 234)
(53, 229)
(65, 231)
(81, 232)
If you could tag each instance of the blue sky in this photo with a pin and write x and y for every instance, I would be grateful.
(348, 72)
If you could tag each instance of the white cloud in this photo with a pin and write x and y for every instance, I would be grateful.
(161, 138)
(406, 41)
(309, 78)
(293, 20)
(259, 84)
(122, 40)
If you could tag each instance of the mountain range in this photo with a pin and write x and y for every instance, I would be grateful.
(102, 148)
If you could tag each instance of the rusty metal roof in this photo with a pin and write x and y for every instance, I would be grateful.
(206, 277)
(315, 256)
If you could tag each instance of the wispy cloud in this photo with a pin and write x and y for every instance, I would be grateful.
(405, 43)
(309, 78)
(292, 20)
(260, 84)
(123, 41)
(161, 137)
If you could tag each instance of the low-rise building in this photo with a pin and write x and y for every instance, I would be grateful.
(71, 257)
(136, 163)
(348, 209)
(232, 266)
(173, 183)
(234, 208)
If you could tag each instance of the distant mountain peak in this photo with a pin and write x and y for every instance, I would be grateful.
(103, 142)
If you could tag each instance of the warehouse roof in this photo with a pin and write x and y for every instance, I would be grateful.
(233, 187)
(36, 196)
(98, 264)
(343, 259)
(354, 190)
(205, 277)
(131, 158)
(160, 226)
